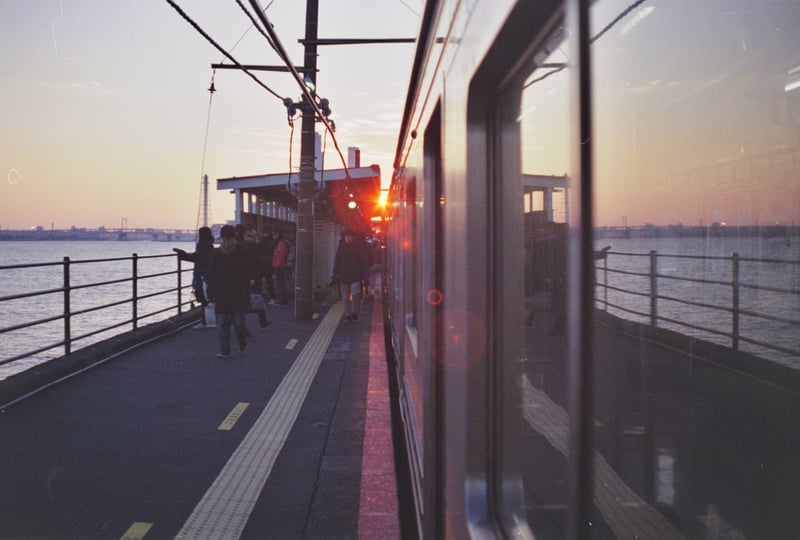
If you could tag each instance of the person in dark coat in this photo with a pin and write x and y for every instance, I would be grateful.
(229, 289)
(351, 270)
(201, 258)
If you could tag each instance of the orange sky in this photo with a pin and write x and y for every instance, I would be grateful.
(105, 104)
(690, 127)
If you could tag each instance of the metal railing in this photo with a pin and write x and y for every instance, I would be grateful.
(725, 304)
(143, 288)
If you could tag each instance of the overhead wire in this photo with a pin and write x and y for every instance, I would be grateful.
(276, 44)
(560, 67)
(306, 93)
(221, 49)
(211, 91)
(239, 40)
(257, 26)
(409, 8)
(618, 18)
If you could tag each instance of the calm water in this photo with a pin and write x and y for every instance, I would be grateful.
(764, 274)
(764, 287)
(52, 305)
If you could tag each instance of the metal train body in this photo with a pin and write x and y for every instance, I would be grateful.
(531, 126)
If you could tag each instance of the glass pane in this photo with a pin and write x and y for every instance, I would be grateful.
(697, 178)
(543, 121)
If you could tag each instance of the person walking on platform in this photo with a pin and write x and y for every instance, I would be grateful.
(280, 264)
(351, 270)
(229, 289)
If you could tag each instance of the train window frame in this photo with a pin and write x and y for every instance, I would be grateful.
(493, 110)
(432, 303)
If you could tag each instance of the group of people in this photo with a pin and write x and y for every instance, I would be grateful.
(244, 269)
(237, 275)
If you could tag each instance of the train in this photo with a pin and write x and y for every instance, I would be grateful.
(528, 408)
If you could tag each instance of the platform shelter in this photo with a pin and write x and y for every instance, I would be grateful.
(345, 198)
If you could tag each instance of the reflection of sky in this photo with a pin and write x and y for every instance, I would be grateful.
(693, 123)
(542, 118)
(692, 120)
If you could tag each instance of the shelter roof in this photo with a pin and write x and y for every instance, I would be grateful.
(277, 187)
(347, 197)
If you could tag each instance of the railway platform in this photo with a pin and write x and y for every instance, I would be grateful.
(290, 439)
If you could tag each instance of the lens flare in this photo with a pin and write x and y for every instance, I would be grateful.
(464, 335)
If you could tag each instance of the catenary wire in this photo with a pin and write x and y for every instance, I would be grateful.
(205, 145)
(257, 26)
(559, 68)
(309, 98)
(275, 43)
(222, 50)
(409, 8)
(618, 18)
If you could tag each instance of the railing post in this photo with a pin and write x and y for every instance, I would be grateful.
(605, 283)
(653, 288)
(180, 285)
(67, 310)
(135, 284)
(735, 285)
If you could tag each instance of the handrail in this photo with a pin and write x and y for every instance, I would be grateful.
(640, 297)
(71, 313)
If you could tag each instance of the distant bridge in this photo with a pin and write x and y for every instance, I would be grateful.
(101, 233)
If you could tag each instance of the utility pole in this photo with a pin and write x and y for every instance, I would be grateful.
(307, 187)
(304, 268)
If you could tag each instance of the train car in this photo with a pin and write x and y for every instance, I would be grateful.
(591, 269)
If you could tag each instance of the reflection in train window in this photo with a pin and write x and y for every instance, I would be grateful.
(543, 120)
(696, 144)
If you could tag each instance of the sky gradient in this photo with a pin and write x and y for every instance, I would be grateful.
(105, 104)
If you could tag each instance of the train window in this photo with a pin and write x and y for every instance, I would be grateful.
(696, 145)
(422, 346)
(411, 253)
(535, 448)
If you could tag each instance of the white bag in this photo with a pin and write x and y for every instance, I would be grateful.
(210, 315)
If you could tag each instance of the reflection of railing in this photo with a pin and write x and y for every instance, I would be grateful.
(723, 303)
(135, 300)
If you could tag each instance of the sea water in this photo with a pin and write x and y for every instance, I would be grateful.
(51, 277)
(712, 263)
(701, 271)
